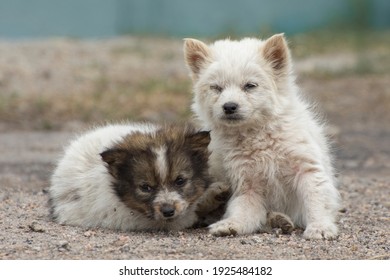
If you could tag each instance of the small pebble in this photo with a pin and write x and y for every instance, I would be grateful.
(63, 245)
(89, 233)
(121, 241)
(36, 227)
(256, 239)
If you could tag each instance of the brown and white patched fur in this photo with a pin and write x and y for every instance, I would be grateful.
(265, 141)
(132, 177)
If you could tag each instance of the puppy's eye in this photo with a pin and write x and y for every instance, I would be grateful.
(216, 88)
(180, 181)
(249, 86)
(146, 188)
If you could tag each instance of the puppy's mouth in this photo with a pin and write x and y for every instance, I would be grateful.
(232, 119)
(169, 220)
(161, 218)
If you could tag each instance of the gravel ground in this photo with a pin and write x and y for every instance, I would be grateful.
(27, 232)
(358, 120)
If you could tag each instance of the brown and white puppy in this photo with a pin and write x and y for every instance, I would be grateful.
(133, 177)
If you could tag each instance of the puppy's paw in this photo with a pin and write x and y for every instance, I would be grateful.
(234, 226)
(320, 231)
(224, 228)
(280, 220)
(221, 192)
(215, 197)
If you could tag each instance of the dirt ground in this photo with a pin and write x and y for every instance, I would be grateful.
(357, 108)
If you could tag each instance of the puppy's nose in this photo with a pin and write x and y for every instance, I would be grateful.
(230, 108)
(167, 210)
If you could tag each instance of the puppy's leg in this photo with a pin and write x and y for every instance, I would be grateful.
(245, 214)
(212, 204)
(320, 204)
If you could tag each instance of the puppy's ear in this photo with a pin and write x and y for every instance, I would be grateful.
(199, 140)
(196, 54)
(198, 143)
(114, 158)
(276, 52)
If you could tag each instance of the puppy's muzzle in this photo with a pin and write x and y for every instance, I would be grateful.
(230, 108)
(168, 211)
(231, 112)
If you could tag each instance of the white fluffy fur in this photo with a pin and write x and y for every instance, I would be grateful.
(81, 171)
(276, 157)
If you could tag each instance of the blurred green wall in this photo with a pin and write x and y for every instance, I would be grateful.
(97, 18)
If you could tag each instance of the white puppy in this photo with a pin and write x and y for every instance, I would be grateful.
(265, 141)
(134, 177)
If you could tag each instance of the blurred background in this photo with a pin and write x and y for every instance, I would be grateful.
(67, 64)
(183, 18)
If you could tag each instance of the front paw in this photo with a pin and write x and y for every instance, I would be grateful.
(221, 192)
(320, 231)
(280, 220)
(224, 228)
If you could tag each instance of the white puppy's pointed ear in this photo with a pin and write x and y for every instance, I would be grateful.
(276, 52)
(196, 54)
